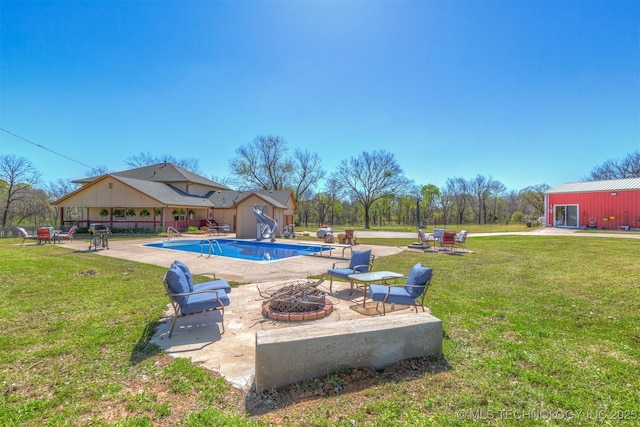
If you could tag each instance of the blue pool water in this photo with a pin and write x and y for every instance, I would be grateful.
(242, 249)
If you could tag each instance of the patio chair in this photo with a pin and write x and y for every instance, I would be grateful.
(69, 234)
(423, 238)
(26, 236)
(209, 285)
(461, 239)
(449, 239)
(185, 302)
(361, 262)
(429, 239)
(45, 234)
(412, 292)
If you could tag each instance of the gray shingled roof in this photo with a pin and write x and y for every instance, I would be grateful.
(229, 198)
(594, 186)
(161, 172)
(164, 193)
(167, 173)
(156, 182)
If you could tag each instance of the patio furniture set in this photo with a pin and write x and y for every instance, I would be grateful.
(187, 298)
(47, 235)
(442, 239)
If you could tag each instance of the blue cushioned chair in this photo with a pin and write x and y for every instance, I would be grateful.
(412, 292)
(361, 262)
(186, 302)
(204, 286)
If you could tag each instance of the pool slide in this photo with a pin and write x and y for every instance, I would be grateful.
(265, 226)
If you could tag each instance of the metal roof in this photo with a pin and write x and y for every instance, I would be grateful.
(595, 186)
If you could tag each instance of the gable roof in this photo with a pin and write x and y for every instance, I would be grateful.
(163, 173)
(594, 186)
(164, 193)
(225, 199)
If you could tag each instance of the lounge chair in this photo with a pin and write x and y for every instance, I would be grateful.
(361, 262)
(214, 284)
(412, 292)
(423, 238)
(26, 236)
(185, 302)
(68, 235)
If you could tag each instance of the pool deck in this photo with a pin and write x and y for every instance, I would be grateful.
(238, 270)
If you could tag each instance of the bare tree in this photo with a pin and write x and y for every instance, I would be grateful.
(263, 164)
(479, 189)
(60, 188)
(496, 202)
(98, 171)
(370, 177)
(35, 206)
(457, 192)
(629, 167)
(19, 176)
(332, 190)
(308, 172)
(56, 190)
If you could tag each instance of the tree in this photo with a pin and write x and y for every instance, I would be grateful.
(20, 176)
(60, 188)
(370, 177)
(56, 190)
(629, 167)
(496, 202)
(429, 194)
(263, 164)
(307, 173)
(533, 196)
(457, 194)
(97, 171)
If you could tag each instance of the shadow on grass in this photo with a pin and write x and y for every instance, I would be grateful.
(143, 348)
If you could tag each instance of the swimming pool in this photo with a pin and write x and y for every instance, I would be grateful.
(241, 249)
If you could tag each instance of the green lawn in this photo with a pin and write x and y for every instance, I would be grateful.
(538, 330)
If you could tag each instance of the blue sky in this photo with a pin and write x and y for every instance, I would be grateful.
(524, 92)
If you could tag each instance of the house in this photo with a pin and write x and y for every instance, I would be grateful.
(611, 204)
(164, 195)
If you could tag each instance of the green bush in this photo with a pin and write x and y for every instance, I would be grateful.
(517, 217)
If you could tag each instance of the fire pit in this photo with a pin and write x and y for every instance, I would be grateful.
(297, 301)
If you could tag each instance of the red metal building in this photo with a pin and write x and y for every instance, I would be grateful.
(611, 204)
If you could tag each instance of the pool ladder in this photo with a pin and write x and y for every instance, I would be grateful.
(172, 230)
(209, 245)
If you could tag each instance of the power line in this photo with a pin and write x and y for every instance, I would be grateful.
(45, 148)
